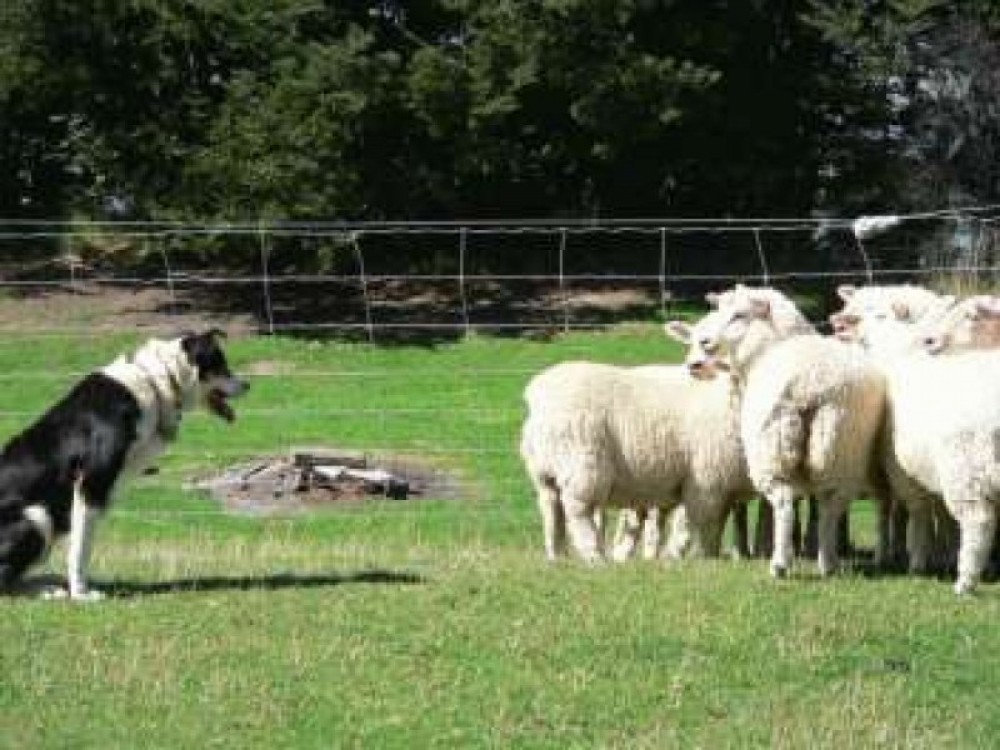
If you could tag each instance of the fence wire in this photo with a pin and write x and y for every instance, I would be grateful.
(87, 288)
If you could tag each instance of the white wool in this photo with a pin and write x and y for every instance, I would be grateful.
(943, 418)
(811, 409)
(942, 441)
(600, 436)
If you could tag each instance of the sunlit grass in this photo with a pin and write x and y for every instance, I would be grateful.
(436, 623)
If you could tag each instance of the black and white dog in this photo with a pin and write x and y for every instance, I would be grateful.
(58, 476)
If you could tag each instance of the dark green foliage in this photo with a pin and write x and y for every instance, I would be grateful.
(248, 109)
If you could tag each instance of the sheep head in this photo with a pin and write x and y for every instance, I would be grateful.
(956, 326)
(879, 316)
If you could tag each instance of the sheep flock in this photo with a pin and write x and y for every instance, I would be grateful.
(900, 406)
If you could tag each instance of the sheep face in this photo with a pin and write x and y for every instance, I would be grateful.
(869, 313)
(732, 335)
(973, 323)
(702, 368)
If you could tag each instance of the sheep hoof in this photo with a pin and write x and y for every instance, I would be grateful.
(778, 571)
(622, 554)
(965, 587)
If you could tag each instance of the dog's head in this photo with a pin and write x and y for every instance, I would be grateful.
(216, 384)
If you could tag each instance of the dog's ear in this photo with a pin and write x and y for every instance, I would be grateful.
(193, 343)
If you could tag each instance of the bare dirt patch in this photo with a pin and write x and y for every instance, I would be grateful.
(91, 307)
(314, 478)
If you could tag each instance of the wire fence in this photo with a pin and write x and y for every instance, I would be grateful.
(74, 293)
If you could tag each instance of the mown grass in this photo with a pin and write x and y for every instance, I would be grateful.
(436, 623)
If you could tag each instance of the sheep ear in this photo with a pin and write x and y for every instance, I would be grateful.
(987, 306)
(901, 310)
(713, 298)
(678, 330)
(761, 307)
(846, 291)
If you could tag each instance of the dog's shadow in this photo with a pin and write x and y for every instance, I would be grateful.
(121, 589)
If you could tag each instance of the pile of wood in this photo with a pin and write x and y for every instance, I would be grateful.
(307, 475)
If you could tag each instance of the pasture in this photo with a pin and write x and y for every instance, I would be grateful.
(433, 623)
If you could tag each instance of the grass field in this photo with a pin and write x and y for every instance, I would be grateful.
(437, 623)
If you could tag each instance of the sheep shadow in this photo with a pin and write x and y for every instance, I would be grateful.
(122, 589)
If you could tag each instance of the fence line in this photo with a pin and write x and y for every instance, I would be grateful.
(951, 212)
(455, 433)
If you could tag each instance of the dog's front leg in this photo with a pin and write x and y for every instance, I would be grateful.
(83, 519)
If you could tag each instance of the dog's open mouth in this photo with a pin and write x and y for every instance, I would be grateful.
(218, 404)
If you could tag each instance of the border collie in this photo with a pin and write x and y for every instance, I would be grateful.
(58, 475)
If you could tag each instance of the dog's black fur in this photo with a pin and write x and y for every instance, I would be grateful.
(85, 438)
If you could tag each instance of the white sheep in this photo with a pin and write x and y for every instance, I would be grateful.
(811, 409)
(942, 424)
(881, 319)
(944, 439)
(599, 436)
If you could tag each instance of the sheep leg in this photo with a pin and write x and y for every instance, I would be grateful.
(919, 538)
(600, 525)
(946, 539)
(709, 538)
(976, 524)
(763, 541)
(679, 540)
(884, 540)
(553, 519)
(782, 500)
(830, 510)
(584, 535)
(900, 518)
(741, 536)
(654, 531)
(631, 524)
(810, 539)
(844, 547)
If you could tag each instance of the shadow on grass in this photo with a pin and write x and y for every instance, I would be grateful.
(117, 589)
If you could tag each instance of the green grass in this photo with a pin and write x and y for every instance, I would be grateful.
(437, 623)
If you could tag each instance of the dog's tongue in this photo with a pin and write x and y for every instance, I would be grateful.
(220, 406)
